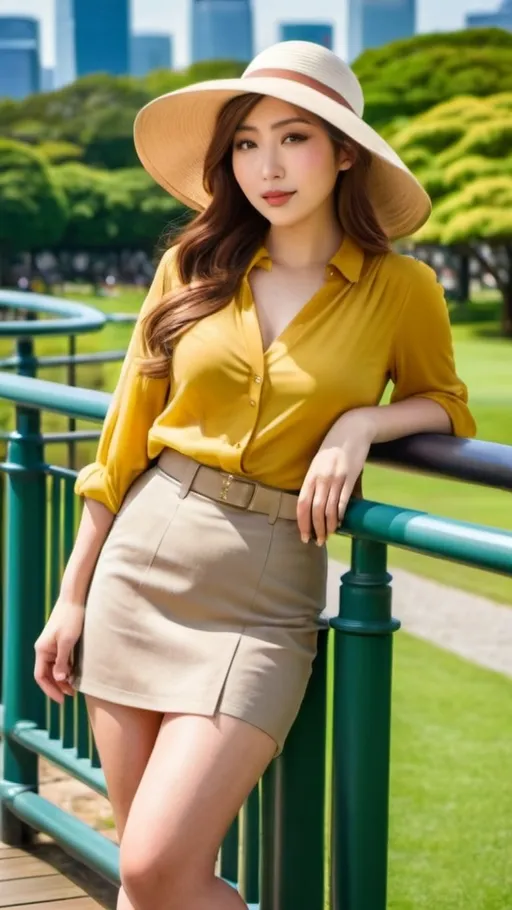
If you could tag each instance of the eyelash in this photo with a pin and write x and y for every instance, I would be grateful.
(295, 136)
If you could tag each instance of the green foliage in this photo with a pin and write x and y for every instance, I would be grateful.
(467, 170)
(123, 208)
(461, 152)
(492, 139)
(59, 152)
(407, 77)
(32, 205)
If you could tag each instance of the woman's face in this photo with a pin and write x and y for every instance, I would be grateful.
(285, 162)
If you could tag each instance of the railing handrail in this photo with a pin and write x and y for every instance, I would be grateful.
(471, 460)
(71, 401)
(76, 317)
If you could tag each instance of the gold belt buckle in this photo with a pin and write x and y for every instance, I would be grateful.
(226, 483)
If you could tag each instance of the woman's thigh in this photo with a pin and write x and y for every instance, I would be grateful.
(125, 738)
(199, 775)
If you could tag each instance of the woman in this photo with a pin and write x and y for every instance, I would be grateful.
(240, 426)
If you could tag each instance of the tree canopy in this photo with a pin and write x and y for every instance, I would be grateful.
(407, 77)
(33, 208)
(461, 151)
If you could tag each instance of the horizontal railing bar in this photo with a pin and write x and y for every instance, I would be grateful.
(74, 836)
(58, 471)
(456, 541)
(121, 317)
(70, 436)
(65, 360)
(470, 460)
(35, 740)
(78, 317)
(54, 396)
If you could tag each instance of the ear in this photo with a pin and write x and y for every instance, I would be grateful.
(346, 157)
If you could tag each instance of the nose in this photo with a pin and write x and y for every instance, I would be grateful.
(272, 168)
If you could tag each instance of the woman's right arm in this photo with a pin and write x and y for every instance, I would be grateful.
(54, 646)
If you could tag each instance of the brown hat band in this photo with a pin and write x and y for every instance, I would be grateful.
(303, 80)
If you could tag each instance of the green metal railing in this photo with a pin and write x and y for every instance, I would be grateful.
(314, 833)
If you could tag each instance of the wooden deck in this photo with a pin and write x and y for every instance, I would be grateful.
(43, 877)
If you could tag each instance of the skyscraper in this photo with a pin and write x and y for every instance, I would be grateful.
(502, 18)
(317, 32)
(20, 67)
(222, 30)
(102, 36)
(373, 23)
(65, 57)
(150, 52)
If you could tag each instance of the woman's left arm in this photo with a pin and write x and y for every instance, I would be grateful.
(428, 397)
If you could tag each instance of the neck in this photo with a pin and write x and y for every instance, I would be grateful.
(307, 244)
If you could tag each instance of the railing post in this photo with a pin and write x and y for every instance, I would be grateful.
(293, 806)
(24, 604)
(362, 719)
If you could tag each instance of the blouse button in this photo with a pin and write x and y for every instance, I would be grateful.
(252, 403)
(257, 378)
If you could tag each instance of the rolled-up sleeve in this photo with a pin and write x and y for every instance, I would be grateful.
(122, 453)
(423, 363)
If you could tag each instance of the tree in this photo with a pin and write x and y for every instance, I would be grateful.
(407, 77)
(32, 207)
(461, 151)
(114, 209)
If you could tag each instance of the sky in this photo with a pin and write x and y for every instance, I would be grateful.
(172, 16)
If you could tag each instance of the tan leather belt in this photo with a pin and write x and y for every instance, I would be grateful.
(230, 489)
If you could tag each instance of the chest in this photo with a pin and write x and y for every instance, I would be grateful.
(280, 296)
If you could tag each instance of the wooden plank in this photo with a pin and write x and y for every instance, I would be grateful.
(10, 852)
(74, 903)
(45, 888)
(24, 867)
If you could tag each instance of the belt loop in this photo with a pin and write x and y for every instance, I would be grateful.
(275, 508)
(190, 473)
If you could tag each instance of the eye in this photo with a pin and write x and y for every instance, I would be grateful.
(296, 137)
(244, 144)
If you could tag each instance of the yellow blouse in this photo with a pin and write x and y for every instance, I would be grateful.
(263, 414)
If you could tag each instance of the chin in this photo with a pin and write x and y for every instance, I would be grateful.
(281, 218)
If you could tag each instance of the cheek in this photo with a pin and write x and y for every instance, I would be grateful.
(244, 173)
(316, 163)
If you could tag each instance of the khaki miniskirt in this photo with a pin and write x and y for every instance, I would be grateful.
(200, 607)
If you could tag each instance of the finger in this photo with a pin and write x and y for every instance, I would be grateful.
(331, 507)
(318, 508)
(344, 498)
(44, 679)
(304, 509)
(62, 666)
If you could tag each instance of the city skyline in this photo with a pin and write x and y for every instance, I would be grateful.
(173, 17)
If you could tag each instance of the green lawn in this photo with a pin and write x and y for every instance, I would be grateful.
(451, 786)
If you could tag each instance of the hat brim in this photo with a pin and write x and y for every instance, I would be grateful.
(172, 134)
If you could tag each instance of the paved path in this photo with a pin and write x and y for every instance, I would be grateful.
(469, 625)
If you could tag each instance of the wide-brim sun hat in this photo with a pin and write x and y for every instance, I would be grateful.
(172, 133)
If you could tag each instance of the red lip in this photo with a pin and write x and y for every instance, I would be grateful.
(275, 199)
(276, 194)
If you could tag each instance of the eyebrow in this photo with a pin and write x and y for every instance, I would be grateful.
(275, 126)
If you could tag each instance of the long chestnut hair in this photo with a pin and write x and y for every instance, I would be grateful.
(215, 248)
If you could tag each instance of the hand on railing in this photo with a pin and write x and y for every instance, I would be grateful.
(54, 648)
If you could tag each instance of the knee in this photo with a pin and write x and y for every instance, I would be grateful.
(154, 880)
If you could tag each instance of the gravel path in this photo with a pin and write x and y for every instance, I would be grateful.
(469, 625)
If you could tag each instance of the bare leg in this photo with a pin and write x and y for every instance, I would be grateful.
(125, 738)
(199, 774)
